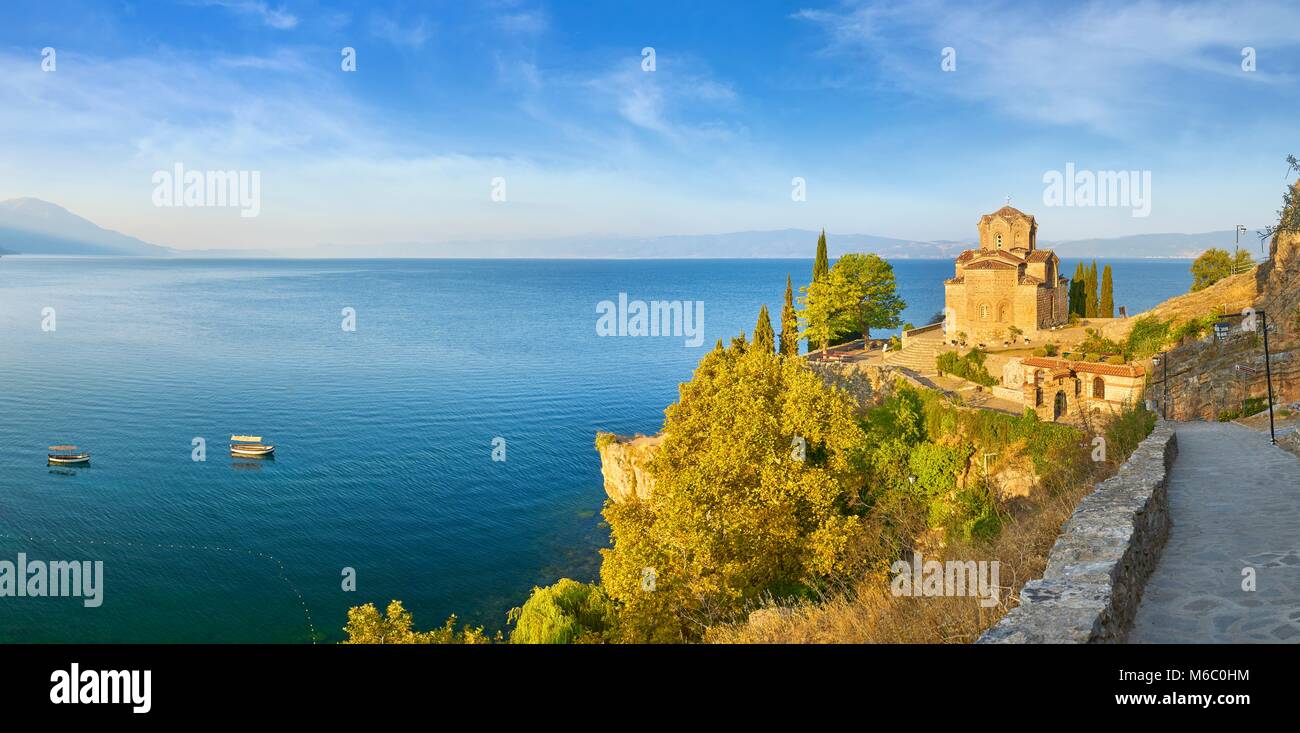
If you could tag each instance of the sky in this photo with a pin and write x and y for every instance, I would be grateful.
(901, 120)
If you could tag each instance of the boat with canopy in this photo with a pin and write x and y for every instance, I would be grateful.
(250, 446)
(65, 455)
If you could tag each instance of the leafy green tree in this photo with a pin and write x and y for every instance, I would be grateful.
(1213, 265)
(568, 612)
(755, 495)
(830, 309)
(789, 323)
(1289, 215)
(366, 625)
(822, 264)
(764, 338)
(872, 279)
(1107, 307)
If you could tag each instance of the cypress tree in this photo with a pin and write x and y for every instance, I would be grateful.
(821, 265)
(1076, 290)
(764, 338)
(1107, 307)
(1090, 292)
(789, 322)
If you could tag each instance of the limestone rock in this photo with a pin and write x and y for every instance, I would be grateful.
(624, 464)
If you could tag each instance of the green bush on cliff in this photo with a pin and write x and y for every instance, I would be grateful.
(567, 612)
(756, 494)
(1147, 337)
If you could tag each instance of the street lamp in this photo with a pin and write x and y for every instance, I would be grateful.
(1268, 367)
(1157, 360)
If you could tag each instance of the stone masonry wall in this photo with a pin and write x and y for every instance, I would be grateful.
(1095, 573)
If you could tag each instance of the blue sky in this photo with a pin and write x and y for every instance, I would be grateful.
(552, 97)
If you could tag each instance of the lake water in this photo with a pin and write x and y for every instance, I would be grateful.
(385, 434)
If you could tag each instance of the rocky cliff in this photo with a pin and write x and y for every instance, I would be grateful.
(1210, 375)
(625, 465)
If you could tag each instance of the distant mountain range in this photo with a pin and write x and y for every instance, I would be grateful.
(32, 226)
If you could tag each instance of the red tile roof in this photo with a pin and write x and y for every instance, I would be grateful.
(1113, 370)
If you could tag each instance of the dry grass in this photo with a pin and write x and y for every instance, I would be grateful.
(870, 614)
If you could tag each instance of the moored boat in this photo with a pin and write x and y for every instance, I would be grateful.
(250, 446)
(65, 455)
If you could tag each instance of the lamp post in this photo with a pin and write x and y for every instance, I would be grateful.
(1163, 359)
(1268, 367)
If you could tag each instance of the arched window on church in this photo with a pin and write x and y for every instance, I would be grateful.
(1099, 388)
(984, 311)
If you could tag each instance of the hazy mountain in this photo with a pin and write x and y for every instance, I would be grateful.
(775, 244)
(1155, 245)
(33, 226)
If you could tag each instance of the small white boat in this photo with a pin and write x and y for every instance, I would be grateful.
(250, 446)
(67, 455)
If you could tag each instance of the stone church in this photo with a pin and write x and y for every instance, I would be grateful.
(1007, 282)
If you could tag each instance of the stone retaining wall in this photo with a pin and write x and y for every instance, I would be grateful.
(1095, 573)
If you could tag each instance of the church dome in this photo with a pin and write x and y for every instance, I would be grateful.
(1009, 212)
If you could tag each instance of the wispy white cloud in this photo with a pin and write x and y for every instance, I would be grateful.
(412, 33)
(1103, 65)
(679, 102)
(523, 22)
(276, 17)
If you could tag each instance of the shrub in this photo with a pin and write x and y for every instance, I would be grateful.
(1196, 328)
(1253, 405)
(1095, 343)
(367, 625)
(1125, 430)
(969, 367)
(1148, 336)
(565, 613)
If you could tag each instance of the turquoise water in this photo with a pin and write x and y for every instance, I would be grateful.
(385, 435)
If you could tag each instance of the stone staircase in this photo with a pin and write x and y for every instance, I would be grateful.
(919, 354)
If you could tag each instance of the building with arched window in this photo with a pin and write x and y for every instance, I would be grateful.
(1059, 389)
(1007, 282)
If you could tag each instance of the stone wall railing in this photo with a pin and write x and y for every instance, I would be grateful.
(918, 331)
(1095, 573)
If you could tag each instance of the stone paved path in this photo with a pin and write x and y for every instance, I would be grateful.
(1235, 503)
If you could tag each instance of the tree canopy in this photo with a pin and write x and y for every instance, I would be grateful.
(1213, 265)
(754, 494)
(859, 294)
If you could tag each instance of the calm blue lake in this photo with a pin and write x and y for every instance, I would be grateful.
(384, 434)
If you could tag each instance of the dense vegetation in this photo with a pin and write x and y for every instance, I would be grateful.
(1151, 334)
(756, 493)
(969, 367)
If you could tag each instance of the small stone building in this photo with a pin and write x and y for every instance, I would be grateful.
(1007, 282)
(1059, 389)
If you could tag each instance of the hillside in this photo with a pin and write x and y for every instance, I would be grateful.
(36, 227)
